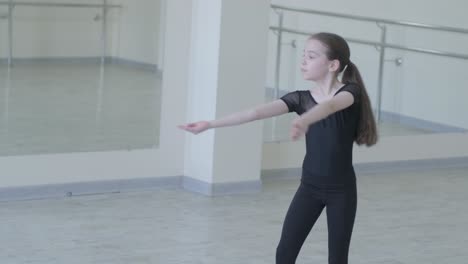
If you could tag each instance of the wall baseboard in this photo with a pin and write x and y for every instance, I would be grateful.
(377, 168)
(419, 123)
(86, 188)
(217, 189)
(209, 189)
(84, 60)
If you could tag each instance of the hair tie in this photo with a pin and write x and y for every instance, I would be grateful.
(345, 67)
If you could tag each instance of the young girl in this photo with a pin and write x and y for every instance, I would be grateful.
(332, 116)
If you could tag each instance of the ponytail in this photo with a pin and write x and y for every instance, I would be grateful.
(338, 49)
(367, 128)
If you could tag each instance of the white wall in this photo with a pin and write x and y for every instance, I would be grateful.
(220, 81)
(422, 80)
(165, 161)
(202, 87)
(133, 31)
(168, 160)
(238, 151)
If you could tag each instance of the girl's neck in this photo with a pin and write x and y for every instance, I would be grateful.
(328, 86)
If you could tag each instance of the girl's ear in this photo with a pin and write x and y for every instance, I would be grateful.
(334, 66)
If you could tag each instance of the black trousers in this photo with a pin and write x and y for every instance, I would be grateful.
(305, 208)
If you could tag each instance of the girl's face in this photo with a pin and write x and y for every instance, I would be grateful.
(315, 64)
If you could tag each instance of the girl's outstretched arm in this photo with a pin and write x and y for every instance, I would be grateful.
(274, 108)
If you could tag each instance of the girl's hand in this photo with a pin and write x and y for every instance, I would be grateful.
(298, 129)
(196, 127)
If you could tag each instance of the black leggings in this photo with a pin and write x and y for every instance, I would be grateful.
(305, 208)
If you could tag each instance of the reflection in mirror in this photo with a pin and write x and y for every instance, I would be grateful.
(82, 77)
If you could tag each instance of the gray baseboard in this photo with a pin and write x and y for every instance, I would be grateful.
(86, 188)
(217, 189)
(377, 168)
(411, 165)
(419, 123)
(62, 60)
(133, 64)
(119, 186)
(84, 60)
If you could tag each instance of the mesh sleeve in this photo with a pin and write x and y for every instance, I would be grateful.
(292, 100)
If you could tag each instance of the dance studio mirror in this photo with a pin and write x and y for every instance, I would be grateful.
(79, 76)
(414, 74)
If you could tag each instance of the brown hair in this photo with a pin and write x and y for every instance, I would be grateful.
(338, 49)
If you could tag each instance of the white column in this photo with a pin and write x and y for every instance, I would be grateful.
(226, 74)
